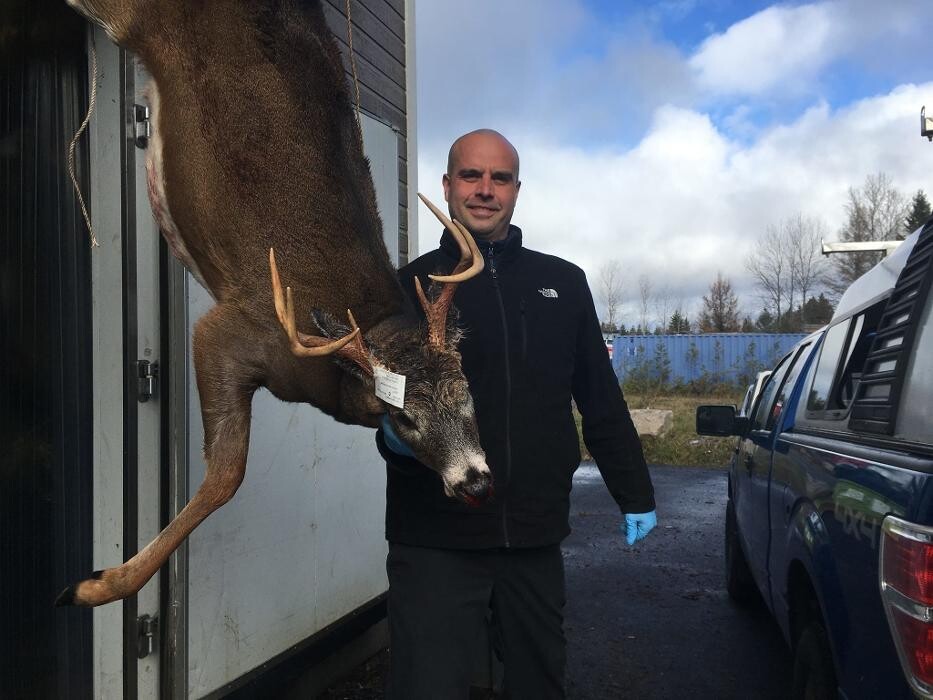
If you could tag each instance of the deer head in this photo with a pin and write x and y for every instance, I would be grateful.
(436, 417)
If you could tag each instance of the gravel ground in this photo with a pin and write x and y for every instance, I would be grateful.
(651, 621)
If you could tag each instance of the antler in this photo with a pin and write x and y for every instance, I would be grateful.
(471, 264)
(304, 345)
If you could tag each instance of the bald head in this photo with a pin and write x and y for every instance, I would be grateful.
(466, 139)
(481, 183)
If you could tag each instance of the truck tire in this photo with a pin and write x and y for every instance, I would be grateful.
(739, 582)
(814, 675)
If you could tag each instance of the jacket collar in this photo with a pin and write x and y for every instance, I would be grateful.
(503, 250)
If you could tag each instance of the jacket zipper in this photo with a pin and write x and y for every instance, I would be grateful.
(521, 307)
(508, 391)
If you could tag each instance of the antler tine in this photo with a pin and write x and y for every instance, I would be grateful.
(356, 350)
(436, 315)
(302, 345)
(471, 260)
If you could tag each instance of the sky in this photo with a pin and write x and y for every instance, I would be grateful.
(669, 134)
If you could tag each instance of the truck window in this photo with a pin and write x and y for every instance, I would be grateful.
(841, 362)
(831, 350)
(788, 386)
(768, 394)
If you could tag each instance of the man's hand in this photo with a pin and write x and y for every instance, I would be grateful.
(638, 525)
(392, 440)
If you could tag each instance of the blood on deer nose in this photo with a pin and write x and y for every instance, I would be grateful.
(477, 487)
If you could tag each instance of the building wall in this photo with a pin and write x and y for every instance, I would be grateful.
(379, 49)
(728, 356)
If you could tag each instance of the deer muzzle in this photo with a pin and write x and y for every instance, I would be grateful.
(471, 483)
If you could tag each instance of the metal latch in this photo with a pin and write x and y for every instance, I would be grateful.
(147, 374)
(147, 629)
(141, 135)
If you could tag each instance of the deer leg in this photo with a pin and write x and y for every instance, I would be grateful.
(226, 383)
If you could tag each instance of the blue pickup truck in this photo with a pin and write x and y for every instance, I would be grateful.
(829, 518)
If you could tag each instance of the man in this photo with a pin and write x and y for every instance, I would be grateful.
(532, 343)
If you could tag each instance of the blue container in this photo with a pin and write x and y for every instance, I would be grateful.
(722, 358)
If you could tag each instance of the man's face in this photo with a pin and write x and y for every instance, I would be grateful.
(482, 186)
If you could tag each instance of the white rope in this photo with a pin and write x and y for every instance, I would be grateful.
(356, 80)
(74, 141)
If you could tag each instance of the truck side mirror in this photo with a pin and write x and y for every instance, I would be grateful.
(720, 421)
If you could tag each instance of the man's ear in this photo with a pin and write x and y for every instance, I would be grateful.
(357, 357)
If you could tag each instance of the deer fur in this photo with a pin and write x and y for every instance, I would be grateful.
(255, 146)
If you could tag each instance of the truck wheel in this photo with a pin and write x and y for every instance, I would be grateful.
(814, 676)
(739, 582)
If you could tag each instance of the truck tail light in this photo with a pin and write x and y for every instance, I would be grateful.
(906, 580)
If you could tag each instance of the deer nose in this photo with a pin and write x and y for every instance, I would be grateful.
(477, 487)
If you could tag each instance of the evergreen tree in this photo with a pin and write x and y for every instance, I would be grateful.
(818, 310)
(919, 213)
(765, 322)
(678, 323)
(747, 325)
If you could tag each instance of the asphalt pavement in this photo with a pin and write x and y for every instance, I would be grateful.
(651, 621)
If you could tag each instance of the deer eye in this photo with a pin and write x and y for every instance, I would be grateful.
(405, 422)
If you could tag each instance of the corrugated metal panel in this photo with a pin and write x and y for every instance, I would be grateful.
(720, 357)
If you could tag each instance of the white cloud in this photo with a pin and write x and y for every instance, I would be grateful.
(755, 55)
(783, 49)
(546, 68)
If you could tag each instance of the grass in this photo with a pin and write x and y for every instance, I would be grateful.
(681, 446)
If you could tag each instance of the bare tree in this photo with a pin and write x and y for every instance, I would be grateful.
(788, 266)
(664, 306)
(644, 300)
(769, 266)
(720, 308)
(876, 212)
(803, 236)
(610, 290)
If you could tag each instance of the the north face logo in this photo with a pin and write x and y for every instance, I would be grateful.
(549, 293)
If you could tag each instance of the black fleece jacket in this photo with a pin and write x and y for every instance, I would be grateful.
(532, 343)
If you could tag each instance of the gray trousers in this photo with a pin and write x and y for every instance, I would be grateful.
(439, 602)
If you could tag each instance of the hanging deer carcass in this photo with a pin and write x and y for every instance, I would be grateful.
(255, 149)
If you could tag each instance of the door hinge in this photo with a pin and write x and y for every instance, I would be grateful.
(141, 128)
(147, 374)
(147, 630)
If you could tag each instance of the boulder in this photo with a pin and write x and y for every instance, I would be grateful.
(655, 422)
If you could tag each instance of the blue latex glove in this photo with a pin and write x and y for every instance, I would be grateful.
(638, 525)
(393, 441)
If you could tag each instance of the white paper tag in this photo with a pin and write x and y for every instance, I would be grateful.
(390, 387)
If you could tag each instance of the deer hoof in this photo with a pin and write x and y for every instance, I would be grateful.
(80, 593)
(66, 597)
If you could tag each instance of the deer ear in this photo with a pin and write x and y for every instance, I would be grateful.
(356, 358)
